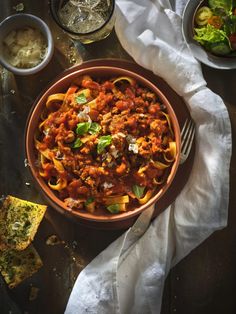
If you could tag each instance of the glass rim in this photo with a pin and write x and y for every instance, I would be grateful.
(57, 20)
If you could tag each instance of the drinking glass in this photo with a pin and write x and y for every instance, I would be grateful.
(85, 20)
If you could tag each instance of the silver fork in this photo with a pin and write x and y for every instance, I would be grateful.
(187, 136)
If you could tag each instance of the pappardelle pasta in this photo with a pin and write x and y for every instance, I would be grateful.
(105, 143)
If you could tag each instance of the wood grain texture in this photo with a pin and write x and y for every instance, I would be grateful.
(204, 282)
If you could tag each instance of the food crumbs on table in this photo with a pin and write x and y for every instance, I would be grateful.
(58, 275)
(19, 7)
(33, 293)
(66, 246)
(53, 240)
(26, 163)
(74, 244)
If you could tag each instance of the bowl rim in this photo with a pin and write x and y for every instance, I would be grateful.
(32, 123)
(45, 30)
(197, 50)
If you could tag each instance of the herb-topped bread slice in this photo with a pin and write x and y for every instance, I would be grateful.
(16, 266)
(19, 221)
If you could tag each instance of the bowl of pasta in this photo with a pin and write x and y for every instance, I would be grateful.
(103, 143)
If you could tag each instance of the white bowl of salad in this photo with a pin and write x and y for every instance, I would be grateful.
(209, 28)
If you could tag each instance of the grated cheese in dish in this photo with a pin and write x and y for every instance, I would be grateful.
(25, 47)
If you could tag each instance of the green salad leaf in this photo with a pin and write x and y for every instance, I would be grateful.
(209, 34)
(230, 24)
(226, 5)
(213, 39)
(220, 49)
(217, 35)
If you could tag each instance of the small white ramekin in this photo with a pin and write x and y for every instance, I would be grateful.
(22, 20)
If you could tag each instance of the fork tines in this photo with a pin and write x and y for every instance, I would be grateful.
(187, 136)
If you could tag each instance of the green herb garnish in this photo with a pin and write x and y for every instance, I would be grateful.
(81, 99)
(94, 128)
(82, 128)
(89, 201)
(114, 208)
(77, 143)
(103, 142)
(138, 190)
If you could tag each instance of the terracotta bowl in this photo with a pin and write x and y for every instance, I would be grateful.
(60, 86)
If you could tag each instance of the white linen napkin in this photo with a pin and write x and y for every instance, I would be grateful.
(128, 276)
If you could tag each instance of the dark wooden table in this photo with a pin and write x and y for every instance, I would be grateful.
(204, 282)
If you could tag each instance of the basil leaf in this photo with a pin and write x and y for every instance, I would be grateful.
(94, 128)
(81, 99)
(138, 190)
(114, 208)
(89, 201)
(82, 128)
(77, 143)
(103, 142)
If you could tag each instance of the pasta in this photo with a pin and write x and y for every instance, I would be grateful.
(105, 143)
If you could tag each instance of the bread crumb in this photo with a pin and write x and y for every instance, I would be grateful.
(33, 293)
(53, 240)
(19, 7)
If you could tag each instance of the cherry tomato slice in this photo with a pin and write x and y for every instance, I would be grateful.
(215, 21)
(232, 39)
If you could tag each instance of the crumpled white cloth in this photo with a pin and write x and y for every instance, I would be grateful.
(128, 276)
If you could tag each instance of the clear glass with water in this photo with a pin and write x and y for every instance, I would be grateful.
(85, 20)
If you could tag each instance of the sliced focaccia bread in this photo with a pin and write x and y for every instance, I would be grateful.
(19, 221)
(16, 266)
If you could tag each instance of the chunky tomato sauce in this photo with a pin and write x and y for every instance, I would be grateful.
(105, 143)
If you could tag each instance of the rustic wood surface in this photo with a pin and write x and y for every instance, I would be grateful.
(204, 282)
